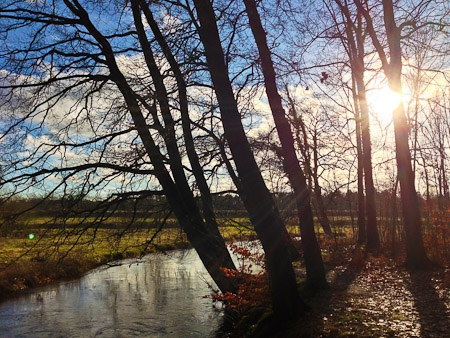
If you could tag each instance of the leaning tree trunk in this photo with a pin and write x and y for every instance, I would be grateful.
(315, 272)
(197, 170)
(211, 249)
(163, 99)
(255, 195)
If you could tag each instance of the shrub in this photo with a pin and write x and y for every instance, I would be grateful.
(253, 289)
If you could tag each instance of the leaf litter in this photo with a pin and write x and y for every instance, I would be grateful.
(377, 298)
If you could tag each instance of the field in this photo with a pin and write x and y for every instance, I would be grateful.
(40, 250)
(38, 254)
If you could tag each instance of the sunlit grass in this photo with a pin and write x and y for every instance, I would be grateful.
(71, 250)
(67, 253)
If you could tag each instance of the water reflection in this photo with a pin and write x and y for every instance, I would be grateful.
(161, 296)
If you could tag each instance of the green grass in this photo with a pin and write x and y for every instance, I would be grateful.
(67, 253)
(69, 248)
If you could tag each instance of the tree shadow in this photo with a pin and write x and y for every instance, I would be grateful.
(433, 314)
(345, 278)
(324, 305)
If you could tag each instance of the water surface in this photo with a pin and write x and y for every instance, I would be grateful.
(159, 297)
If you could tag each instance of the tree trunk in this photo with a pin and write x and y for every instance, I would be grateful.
(211, 249)
(362, 236)
(427, 187)
(416, 257)
(304, 149)
(205, 194)
(373, 240)
(394, 216)
(443, 170)
(315, 271)
(255, 195)
(356, 54)
(320, 206)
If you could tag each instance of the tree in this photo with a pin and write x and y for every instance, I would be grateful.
(355, 41)
(311, 171)
(207, 203)
(362, 236)
(392, 67)
(255, 195)
(313, 258)
(80, 63)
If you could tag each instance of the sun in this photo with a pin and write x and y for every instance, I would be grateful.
(382, 102)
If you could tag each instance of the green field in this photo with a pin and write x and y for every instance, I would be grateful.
(67, 248)
(56, 252)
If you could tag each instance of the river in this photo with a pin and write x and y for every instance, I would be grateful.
(162, 296)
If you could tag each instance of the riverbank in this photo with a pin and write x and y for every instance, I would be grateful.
(161, 295)
(53, 255)
(368, 297)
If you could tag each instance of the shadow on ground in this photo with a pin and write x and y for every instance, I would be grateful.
(432, 310)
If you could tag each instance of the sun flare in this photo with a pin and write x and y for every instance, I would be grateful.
(382, 103)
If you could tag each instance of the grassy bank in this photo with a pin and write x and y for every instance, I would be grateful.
(55, 254)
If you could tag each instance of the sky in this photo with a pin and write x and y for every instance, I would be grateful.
(70, 119)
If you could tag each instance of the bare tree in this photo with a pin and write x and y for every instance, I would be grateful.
(355, 41)
(81, 63)
(313, 258)
(311, 164)
(362, 235)
(392, 64)
(255, 195)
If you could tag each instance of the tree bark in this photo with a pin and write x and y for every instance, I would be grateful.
(255, 195)
(372, 240)
(197, 170)
(415, 251)
(315, 271)
(394, 216)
